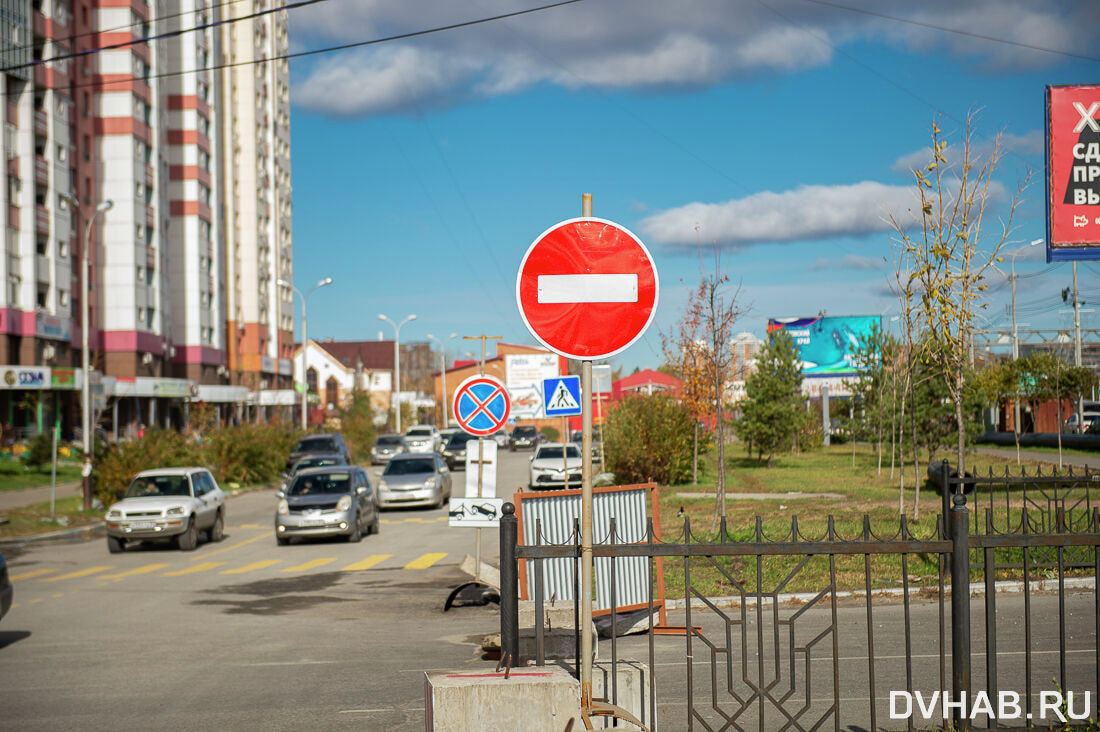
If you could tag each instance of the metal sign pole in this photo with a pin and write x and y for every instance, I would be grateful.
(564, 449)
(480, 453)
(586, 515)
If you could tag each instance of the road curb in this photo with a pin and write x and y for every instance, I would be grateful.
(976, 589)
(54, 535)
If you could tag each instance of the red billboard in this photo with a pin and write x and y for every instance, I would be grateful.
(1073, 172)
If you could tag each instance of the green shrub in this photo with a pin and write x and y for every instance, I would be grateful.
(357, 427)
(551, 433)
(39, 453)
(648, 438)
(117, 464)
(248, 453)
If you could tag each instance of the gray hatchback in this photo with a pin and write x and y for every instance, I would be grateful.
(415, 479)
(328, 501)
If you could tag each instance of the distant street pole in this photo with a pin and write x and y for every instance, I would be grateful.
(586, 515)
(397, 364)
(1077, 347)
(1015, 330)
(480, 453)
(443, 371)
(305, 340)
(85, 360)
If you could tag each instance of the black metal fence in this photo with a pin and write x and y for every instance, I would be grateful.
(1019, 552)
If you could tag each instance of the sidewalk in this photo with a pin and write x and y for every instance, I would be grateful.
(1050, 458)
(28, 496)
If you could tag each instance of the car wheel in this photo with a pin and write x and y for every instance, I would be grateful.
(217, 531)
(115, 545)
(189, 539)
(356, 533)
(376, 524)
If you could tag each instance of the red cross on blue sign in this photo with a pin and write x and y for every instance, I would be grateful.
(481, 405)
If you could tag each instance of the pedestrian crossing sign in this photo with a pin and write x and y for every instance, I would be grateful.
(561, 396)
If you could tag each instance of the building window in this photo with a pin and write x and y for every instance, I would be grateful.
(332, 392)
(63, 298)
(62, 153)
(311, 379)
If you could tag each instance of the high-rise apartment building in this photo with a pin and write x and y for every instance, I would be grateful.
(259, 248)
(183, 266)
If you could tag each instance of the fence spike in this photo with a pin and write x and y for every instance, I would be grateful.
(723, 530)
(866, 527)
(904, 527)
(794, 528)
(831, 528)
(759, 530)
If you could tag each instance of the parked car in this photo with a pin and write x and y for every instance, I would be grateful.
(548, 466)
(318, 461)
(330, 501)
(523, 436)
(385, 447)
(454, 452)
(7, 592)
(423, 438)
(445, 434)
(168, 503)
(1089, 416)
(415, 479)
(316, 444)
(577, 436)
(502, 438)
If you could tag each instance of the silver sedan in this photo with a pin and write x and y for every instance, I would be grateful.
(415, 479)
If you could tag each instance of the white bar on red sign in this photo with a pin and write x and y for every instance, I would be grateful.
(588, 288)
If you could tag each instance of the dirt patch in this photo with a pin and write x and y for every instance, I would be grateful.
(272, 605)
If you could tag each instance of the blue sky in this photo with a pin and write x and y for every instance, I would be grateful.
(785, 130)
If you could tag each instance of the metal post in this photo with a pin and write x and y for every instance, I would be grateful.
(825, 413)
(945, 495)
(586, 534)
(960, 605)
(1077, 348)
(53, 467)
(1015, 351)
(564, 450)
(509, 583)
(305, 381)
(397, 377)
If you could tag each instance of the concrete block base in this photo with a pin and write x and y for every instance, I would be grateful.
(534, 698)
(632, 691)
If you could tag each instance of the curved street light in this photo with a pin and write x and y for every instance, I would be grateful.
(397, 363)
(303, 297)
(443, 371)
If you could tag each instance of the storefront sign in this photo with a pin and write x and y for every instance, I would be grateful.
(52, 327)
(24, 377)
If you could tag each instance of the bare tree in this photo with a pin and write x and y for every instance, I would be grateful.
(950, 253)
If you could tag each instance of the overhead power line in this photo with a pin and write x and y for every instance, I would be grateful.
(328, 49)
(162, 36)
(956, 31)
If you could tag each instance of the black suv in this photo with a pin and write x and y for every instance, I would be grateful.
(314, 444)
(524, 436)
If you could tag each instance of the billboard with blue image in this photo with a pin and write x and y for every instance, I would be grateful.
(827, 344)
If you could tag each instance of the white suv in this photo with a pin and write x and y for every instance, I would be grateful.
(423, 438)
(170, 503)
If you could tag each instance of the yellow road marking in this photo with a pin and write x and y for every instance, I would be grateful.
(191, 570)
(78, 573)
(249, 567)
(32, 573)
(207, 555)
(367, 563)
(311, 564)
(136, 570)
(58, 594)
(37, 599)
(250, 526)
(424, 561)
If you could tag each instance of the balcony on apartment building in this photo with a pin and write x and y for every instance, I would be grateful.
(41, 171)
(41, 119)
(150, 216)
(148, 175)
(13, 114)
(13, 166)
(150, 256)
(13, 216)
(40, 77)
(41, 219)
(42, 268)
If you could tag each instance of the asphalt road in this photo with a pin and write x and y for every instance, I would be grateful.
(244, 634)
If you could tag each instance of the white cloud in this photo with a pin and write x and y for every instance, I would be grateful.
(635, 45)
(849, 262)
(1029, 143)
(804, 214)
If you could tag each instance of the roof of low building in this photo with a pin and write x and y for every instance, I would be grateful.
(376, 355)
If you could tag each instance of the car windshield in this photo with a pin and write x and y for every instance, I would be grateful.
(316, 444)
(459, 440)
(317, 462)
(159, 485)
(555, 452)
(317, 484)
(389, 440)
(409, 467)
(419, 432)
(524, 431)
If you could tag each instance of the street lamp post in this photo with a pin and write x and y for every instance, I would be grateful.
(397, 363)
(303, 297)
(1015, 333)
(85, 361)
(443, 371)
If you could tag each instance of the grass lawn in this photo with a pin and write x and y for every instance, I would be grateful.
(1052, 451)
(35, 519)
(864, 491)
(14, 475)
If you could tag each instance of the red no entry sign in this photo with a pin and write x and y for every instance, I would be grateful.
(481, 405)
(587, 288)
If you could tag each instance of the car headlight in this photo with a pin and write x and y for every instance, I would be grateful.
(114, 514)
(344, 503)
(174, 511)
(429, 483)
(381, 485)
(284, 507)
